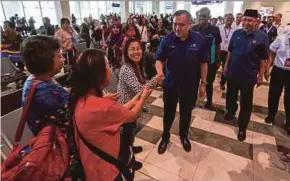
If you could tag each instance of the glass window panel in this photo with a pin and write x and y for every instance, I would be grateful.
(75, 9)
(131, 7)
(2, 17)
(180, 5)
(32, 9)
(102, 7)
(94, 9)
(85, 9)
(238, 5)
(48, 10)
(166, 7)
(11, 8)
(109, 7)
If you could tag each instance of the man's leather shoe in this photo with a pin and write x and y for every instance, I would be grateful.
(137, 165)
(229, 116)
(162, 146)
(287, 129)
(185, 143)
(137, 149)
(242, 135)
(269, 120)
(208, 105)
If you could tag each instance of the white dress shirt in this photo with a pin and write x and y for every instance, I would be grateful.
(144, 34)
(282, 48)
(235, 26)
(226, 34)
(280, 28)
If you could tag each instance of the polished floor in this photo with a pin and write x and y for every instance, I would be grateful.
(216, 153)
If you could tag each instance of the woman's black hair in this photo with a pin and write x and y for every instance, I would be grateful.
(142, 77)
(89, 73)
(10, 24)
(63, 21)
(38, 53)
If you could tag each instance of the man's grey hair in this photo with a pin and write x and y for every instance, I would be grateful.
(183, 12)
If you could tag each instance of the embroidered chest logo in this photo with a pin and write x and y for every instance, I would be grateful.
(193, 46)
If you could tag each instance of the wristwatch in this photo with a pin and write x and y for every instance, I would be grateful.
(203, 83)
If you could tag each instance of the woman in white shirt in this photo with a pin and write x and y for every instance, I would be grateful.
(280, 77)
(143, 31)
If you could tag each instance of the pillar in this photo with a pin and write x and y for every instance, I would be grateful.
(124, 5)
(65, 9)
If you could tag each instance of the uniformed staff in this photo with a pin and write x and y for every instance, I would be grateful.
(270, 29)
(248, 51)
(213, 40)
(280, 77)
(278, 23)
(226, 33)
(185, 55)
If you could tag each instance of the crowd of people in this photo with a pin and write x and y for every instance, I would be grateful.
(176, 52)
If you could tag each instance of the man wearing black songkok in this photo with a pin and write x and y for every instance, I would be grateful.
(244, 67)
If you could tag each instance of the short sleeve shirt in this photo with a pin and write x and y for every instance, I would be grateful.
(246, 53)
(271, 31)
(99, 121)
(48, 105)
(183, 59)
(213, 38)
(226, 34)
(281, 46)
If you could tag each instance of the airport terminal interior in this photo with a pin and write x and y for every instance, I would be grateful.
(218, 150)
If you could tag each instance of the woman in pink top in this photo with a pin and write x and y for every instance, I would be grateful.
(66, 37)
(98, 118)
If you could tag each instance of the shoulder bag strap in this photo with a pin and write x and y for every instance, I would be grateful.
(123, 168)
(24, 114)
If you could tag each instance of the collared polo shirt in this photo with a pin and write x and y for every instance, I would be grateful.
(281, 46)
(183, 59)
(213, 38)
(246, 52)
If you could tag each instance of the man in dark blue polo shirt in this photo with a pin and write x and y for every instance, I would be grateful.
(248, 51)
(185, 55)
(213, 40)
(270, 29)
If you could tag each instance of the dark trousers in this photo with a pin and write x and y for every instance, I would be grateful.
(246, 101)
(187, 100)
(211, 73)
(223, 59)
(279, 79)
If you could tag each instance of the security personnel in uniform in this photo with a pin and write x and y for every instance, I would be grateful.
(213, 40)
(185, 55)
(244, 68)
(280, 77)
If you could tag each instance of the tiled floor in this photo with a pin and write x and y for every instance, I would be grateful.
(216, 153)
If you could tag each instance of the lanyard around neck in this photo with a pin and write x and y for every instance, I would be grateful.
(268, 29)
(227, 33)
